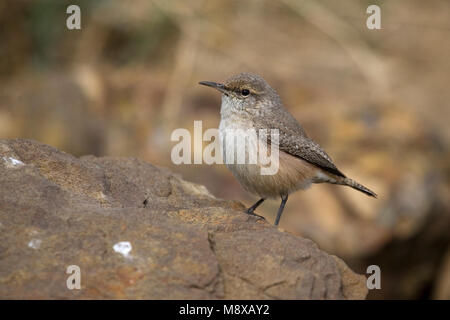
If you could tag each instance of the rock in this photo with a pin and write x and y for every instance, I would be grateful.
(137, 231)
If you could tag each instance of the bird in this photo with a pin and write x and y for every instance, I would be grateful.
(249, 102)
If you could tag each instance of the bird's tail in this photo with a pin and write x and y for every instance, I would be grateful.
(355, 185)
(351, 183)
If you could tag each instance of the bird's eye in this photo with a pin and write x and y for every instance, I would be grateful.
(245, 92)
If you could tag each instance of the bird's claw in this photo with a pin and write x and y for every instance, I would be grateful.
(250, 213)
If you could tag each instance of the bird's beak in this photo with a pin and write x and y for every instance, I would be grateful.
(215, 85)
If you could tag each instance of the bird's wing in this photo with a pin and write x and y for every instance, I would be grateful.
(294, 141)
(307, 149)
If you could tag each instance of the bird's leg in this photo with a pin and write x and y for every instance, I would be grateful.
(256, 205)
(281, 208)
(253, 207)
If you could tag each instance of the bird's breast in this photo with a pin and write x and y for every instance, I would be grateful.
(292, 174)
(233, 132)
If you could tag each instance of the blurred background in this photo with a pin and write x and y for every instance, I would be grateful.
(376, 100)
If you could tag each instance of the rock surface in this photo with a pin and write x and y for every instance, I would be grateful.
(140, 232)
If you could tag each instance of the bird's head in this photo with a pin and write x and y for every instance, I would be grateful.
(245, 92)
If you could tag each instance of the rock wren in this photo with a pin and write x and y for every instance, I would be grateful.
(249, 102)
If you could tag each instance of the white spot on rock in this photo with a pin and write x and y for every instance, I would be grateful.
(124, 248)
(12, 163)
(35, 243)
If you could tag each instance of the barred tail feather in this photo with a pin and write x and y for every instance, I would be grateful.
(355, 185)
